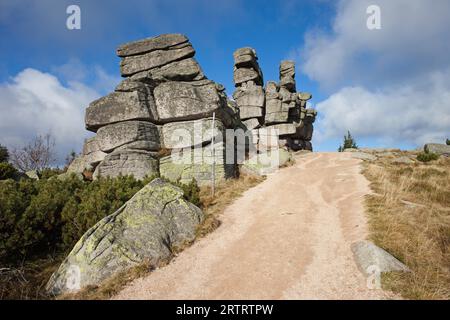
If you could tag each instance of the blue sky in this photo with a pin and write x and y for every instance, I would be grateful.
(388, 86)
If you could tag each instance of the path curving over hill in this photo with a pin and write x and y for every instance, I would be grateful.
(287, 238)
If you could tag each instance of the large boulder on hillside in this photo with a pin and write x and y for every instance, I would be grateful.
(147, 227)
(138, 163)
(119, 134)
(176, 101)
(137, 63)
(438, 148)
(184, 134)
(119, 106)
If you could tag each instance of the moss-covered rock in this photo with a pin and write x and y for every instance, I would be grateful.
(266, 163)
(156, 219)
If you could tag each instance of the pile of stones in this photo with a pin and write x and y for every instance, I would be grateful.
(277, 115)
(158, 108)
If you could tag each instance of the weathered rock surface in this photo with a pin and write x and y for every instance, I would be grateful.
(117, 107)
(196, 163)
(160, 42)
(178, 101)
(184, 134)
(134, 64)
(364, 156)
(268, 162)
(184, 70)
(116, 135)
(147, 227)
(441, 149)
(371, 258)
(138, 163)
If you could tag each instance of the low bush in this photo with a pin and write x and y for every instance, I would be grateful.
(7, 171)
(41, 217)
(426, 157)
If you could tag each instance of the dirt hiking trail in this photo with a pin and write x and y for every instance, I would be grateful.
(287, 238)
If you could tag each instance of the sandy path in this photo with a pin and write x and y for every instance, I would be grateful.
(287, 238)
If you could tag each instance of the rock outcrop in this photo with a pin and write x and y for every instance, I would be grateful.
(274, 113)
(164, 103)
(438, 148)
(146, 228)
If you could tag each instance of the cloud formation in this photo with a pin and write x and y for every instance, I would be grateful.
(391, 84)
(34, 102)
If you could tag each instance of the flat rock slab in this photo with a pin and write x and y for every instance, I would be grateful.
(137, 163)
(184, 134)
(369, 257)
(363, 156)
(134, 64)
(116, 135)
(183, 70)
(160, 42)
(117, 107)
(176, 101)
(156, 218)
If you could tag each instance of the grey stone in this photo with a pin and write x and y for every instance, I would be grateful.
(115, 135)
(403, 160)
(242, 75)
(266, 163)
(370, 258)
(196, 163)
(160, 42)
(134, 64)
(438, 148)
(287, 68)
(184, 70)
(250, 112)
(184, 134)
(32, 174)
(156, 219)
(138, 163)
(79, 165)
(283, 128)
(119, 106)
(252, 96)
(251, 124)
(363, 156)
(176, 101)
(304, 96)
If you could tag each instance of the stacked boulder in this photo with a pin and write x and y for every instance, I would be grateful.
(249, 93)
(277, 115)
(157, 108)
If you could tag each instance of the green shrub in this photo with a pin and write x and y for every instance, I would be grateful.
(349, 143)
(7, 171)
(447, 142)
(426, 157)
(4, 154)
(46, 216)
(50, 172)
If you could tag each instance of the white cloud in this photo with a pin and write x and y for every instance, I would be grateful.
(390, 85)
(34, 102)
(403, 115)
(412, 40)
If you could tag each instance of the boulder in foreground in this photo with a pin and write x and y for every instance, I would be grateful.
(156, 219)
(368, 255)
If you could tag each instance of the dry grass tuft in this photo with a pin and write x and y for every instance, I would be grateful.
(409, 216)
